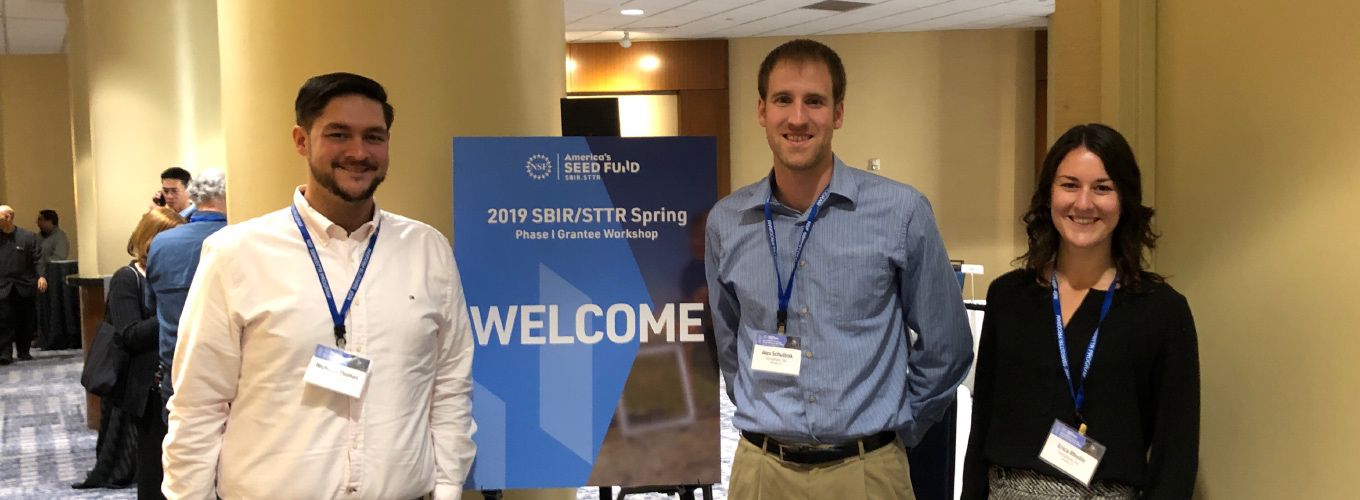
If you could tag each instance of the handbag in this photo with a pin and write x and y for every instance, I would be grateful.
(106, 360)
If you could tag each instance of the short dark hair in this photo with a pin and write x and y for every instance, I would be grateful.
(1131, 236)
(177, 173)
(318, 91)
(49, 215)
(804, 50)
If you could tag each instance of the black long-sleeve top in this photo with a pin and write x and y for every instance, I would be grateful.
(20, 263)
(1142, 393)
(137, 332)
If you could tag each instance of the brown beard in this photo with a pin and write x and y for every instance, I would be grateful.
(328, 182)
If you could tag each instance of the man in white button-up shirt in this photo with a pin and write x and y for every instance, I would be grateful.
(392, 419)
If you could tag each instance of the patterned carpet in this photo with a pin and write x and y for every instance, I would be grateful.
(44, 444)
(729, 434)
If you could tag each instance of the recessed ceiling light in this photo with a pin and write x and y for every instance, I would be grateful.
(632, 12)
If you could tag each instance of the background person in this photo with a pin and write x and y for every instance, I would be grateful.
(812, 321)
(140, 337)
(1088, 231)
(53, 241)
(173, 259)
(259, 333)
(125, 438)
(174, 192)
(21, 279)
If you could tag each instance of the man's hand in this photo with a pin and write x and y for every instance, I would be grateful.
(157, 200)
(42, 284)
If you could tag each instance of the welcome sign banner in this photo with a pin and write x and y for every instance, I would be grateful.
(582, 263)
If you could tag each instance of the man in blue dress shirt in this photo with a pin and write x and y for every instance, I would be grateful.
(840, 328)
(173, 259)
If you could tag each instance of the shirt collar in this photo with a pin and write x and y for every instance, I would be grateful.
(323, 229)
(207, 216)
(842, 187)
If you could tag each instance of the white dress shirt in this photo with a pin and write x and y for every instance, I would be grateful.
(243, 424)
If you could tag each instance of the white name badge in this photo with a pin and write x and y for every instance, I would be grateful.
(780, 354)
(1072, 453)
(337, 370)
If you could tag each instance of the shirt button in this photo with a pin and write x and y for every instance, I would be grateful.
(802, 263)
(804, 310)
(812, 399)
(808, 354)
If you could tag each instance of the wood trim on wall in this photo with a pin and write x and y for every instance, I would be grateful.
(684, 65)
(1040, 100)
(694, 70)
(704, 112)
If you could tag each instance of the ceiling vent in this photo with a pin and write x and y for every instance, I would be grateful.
(837, 6)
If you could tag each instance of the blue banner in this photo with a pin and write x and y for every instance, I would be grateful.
(582, 262)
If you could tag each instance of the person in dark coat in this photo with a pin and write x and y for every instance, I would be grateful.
(21, 280)
(130, 440)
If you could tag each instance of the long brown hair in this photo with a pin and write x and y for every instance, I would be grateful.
(1132, 236)
(155, 221)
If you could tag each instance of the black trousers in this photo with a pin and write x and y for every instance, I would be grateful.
(16, 324)
(150, 432)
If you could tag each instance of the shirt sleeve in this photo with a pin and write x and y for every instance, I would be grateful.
(1173, 458)
(722, 302)
(39, 263)
(61, 249)
(939, 358)
(451, 423)
(205, 373)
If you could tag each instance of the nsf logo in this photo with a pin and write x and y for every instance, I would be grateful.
(539, 167)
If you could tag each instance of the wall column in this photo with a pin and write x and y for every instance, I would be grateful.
(144, 95)
(1102, 68)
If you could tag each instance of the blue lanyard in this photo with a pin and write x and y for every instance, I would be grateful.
(785, 293)
(337, 316)
(1079, 392)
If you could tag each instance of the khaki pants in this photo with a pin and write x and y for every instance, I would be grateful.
(881, 474)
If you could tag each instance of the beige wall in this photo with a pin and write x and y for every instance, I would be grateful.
(450, 69)
(1074, 71)
(1258, 120)
(35, 140)
(144, 81)
(951, 113)
(1102, 61)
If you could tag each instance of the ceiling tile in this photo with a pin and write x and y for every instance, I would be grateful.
(716, 6)
(50, 10)
(576, 10)
(36, 37)
(762, 27)
(671, 18)
(903, 21)
(877, 11)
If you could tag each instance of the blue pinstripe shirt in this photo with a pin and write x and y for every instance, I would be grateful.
(873, 266)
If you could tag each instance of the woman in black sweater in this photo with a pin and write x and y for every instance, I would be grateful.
(1087, 231)
(137, 332)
